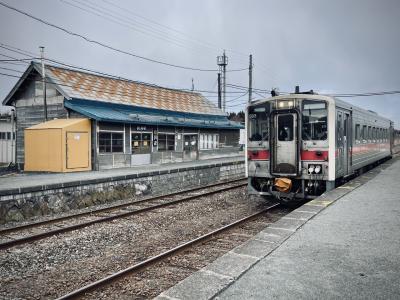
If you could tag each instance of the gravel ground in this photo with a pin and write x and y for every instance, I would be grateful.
(52, 267)
(161, 276)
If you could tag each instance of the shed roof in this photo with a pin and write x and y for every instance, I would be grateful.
(57, 124)
(83, 85)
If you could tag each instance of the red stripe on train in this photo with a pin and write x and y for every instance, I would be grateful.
(258, 154)
(314, 155)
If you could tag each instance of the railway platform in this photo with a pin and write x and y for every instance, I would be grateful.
(27, 195)
(344, 244)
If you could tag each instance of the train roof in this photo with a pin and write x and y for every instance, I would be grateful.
(329, 99)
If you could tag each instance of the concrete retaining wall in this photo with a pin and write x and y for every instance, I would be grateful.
(21, 204)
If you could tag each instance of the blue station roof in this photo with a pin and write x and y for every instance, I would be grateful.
(113, 112)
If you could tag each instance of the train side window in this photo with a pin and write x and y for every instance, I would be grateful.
(364, 133)
(369, 134)
(373, 134)
(358, 136)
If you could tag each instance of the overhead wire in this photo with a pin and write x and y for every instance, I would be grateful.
(87, 70)
(104, 45)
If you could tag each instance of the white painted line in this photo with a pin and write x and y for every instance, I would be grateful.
(297, 219)
(304, 211)
(244, 255)
(168, 297)
(212, 273)
(264, 241)
(279, 228)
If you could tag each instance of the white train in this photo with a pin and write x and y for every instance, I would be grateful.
(302, 144)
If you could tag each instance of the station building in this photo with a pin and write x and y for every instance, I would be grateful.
(131, 123)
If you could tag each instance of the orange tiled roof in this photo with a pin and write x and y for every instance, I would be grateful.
(89, 86)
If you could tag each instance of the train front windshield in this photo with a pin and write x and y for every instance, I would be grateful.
(315, 126)
(258, 121)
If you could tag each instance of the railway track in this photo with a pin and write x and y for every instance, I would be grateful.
(40, 230)
(143, 265)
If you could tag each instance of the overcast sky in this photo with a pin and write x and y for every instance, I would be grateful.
(336, 46)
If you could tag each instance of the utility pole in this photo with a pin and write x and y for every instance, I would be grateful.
(222, 61)
(43, 83)
(192, 85)
(250, 77)
(219, 91)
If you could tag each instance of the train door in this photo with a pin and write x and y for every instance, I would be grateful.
(339, 143)
(347, 143)
(285, 142)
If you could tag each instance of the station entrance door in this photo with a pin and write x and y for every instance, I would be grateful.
(141, 148)
(190, 146)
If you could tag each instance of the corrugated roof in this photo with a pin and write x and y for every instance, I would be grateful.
(82, 85)
(57, 123)
(112, 112)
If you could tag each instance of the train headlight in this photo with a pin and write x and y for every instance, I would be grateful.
(317, 169)
(311, 169)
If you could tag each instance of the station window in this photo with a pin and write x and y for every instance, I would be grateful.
(8, 135)
(209, 141)
(314, 120)
(110, 142)
(166, 142)
(258, 121)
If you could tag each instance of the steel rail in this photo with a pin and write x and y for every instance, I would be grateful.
(118, 206)
(42, 235)
(115, 276)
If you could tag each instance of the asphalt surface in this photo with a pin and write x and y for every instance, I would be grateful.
(350, 250)
(343, 245)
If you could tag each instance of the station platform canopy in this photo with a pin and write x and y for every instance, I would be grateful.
(120, 113)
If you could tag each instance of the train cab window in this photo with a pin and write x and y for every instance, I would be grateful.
(314, 118)
(285, 127)
(258, 120)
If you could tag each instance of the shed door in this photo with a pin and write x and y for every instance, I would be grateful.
(77, 150)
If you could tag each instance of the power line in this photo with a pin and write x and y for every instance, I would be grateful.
(91, 71)
(105, 14)
(106, 45)
(16, 59)
(58, 82)
(95, 72)
(237, 98)
(368, 94)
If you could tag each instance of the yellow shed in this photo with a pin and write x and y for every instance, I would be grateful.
(61, 145)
